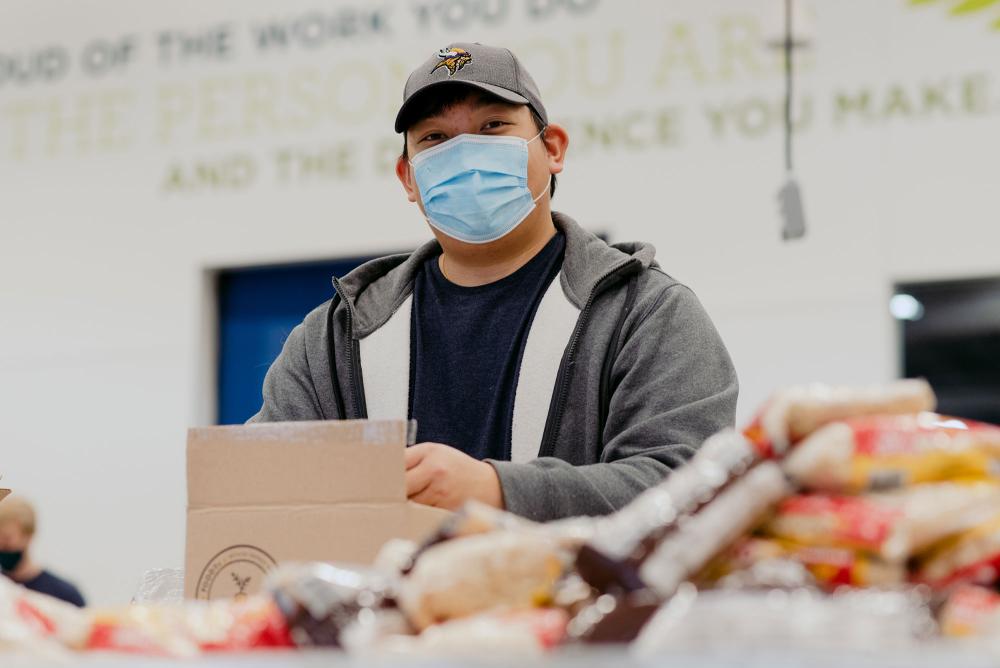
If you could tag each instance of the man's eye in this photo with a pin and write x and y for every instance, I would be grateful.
(493, 125)
(434, 136)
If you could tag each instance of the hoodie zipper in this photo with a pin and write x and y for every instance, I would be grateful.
(558, 406)
(353, 356)
(338, 397)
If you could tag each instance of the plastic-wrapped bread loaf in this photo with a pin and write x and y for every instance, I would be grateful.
(886, 451)
(321, 601)
(725, 473)
(969, 557)
(971, 611)
(855, 620)
(638, 584)
(734, 512)
(631, 533)
(476, 518)
(830, 567)
(894, 525)
(459, 578)
(504, 633)
(639, 556)
(794, 413)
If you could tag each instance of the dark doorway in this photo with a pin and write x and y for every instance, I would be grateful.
(951, 337)
(257, 309)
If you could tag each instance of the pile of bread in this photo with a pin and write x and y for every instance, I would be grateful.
(854, 514)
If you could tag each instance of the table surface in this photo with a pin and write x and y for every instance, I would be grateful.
(932, 655)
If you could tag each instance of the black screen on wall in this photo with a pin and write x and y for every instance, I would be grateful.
(952, 338)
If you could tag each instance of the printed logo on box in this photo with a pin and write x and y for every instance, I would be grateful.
(234, 573)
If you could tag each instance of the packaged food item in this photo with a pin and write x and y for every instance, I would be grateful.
(971, 611)
(888, 451)
(500, 633)
(471, 519)
(478, 518)
(161, 585)
(769, 574)
(396, 556)
(191, 628)
(969, 557)
(614, 618)
(459, 578)
(37, 624)
(611, 560)
(741, 555)
(641, 555)
(572, 593)
(851, 619)
(893, 525)
(830, 567)
(733, 513)
(794, 413)
(373, 630)
(320, 601)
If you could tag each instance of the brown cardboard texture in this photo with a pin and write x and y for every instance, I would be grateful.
(261, 494)
(4, 493)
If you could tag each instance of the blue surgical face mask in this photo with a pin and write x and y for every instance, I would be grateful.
(475, 187)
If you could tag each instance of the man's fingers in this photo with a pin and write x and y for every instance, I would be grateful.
(414, 454)
(425, 497)
(418, 479)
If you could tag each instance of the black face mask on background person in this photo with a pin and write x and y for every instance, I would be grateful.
(10, 560)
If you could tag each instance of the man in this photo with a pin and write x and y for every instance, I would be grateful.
(549, 373)
(17, 530)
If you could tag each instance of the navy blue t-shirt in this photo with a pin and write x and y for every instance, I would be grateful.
(51, 585)
(465, 352)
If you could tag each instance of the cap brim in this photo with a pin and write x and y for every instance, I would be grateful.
(502, 93)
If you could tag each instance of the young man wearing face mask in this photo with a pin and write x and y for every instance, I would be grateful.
(17, 530)
(549, 373)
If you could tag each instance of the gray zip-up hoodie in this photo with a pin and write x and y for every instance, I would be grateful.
(623, 373)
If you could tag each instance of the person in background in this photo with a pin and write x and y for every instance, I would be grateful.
(550, 373)
(17, 530)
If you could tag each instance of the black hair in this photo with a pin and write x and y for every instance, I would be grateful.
(432, 105)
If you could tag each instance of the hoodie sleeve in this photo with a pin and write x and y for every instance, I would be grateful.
(289, 393)
(674, 385)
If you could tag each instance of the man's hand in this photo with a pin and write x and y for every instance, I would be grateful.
(439, 475)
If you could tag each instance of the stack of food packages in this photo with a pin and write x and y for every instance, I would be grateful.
(839, 516)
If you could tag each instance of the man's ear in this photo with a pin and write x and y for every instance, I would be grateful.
(405, 176)
(556, 142)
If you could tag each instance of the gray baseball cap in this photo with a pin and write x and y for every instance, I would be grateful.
(489, 68)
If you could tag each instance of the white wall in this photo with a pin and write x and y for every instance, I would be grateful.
(102, 349)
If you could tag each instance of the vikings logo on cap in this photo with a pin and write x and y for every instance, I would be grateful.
(453, 58)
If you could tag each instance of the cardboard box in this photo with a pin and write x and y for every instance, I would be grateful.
(262, 494)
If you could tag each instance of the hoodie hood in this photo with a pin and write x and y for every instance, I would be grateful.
(376, 289)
